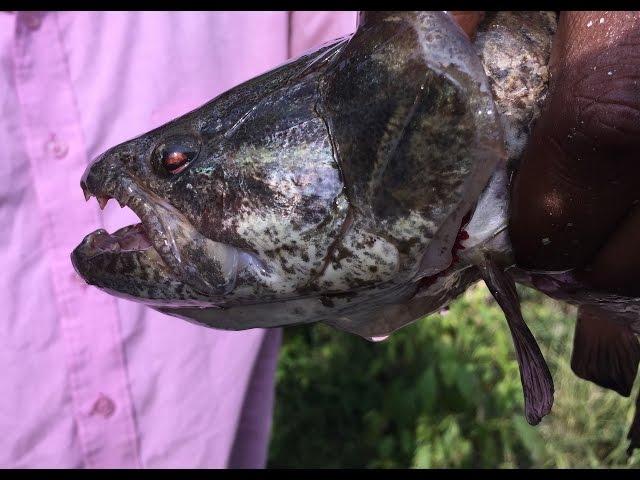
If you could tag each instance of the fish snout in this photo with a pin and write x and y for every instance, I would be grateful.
(103, 176)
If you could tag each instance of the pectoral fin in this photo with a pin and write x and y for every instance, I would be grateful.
(537, 384)
(605, 352)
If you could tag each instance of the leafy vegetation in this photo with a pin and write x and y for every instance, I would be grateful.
(444, 392)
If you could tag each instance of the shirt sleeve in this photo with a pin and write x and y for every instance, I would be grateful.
(311, 29)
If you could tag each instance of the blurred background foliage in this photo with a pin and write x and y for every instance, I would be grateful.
(443, 392)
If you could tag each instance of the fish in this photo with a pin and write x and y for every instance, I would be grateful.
(363, 184)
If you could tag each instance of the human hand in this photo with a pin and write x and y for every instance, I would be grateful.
(575, 194)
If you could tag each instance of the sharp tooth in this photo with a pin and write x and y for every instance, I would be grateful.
(102, 201)
(121, 203)
(85, 190)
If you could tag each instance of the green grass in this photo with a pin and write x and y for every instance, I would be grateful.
(444, 392)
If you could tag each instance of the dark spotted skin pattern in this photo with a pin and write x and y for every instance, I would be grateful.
(332, 188)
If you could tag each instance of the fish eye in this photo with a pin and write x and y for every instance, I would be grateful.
(174, 154)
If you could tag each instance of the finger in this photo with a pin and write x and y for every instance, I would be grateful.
(616, 267)
(468, 20)
(580, 173)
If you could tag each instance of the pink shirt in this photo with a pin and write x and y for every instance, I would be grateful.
(87, 380)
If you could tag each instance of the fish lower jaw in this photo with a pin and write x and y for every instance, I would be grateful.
(126, 239)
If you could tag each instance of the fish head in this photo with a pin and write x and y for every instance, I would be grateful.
(238, 202)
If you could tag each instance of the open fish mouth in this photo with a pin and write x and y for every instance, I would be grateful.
(156, 224)
(127, 239)
(163, 259)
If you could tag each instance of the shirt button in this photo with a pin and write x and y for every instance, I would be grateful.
(55, 147)
(33, 20)
(103, 406)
